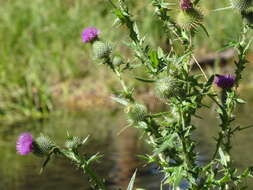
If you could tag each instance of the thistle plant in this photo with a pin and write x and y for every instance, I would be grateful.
(182, 90)
(44, 147)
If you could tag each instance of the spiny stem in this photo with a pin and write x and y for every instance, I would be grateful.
(122, 82)
(82, 163)
(94, 178)
(118, 74)
(189, 161)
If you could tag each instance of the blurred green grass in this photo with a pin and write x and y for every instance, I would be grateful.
(40, 45)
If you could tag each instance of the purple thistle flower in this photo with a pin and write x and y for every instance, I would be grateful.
(24, 144)
(185, 4)
(224, 81)
(90, 34)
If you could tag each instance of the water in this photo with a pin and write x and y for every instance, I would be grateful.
(119, 162)
(117, 166)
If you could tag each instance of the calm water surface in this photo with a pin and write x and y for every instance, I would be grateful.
(119, 162)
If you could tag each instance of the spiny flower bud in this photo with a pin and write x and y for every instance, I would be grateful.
(241, 4)
(73, 142)
(136, 112)
(117, 60)
(189, 19)
(42, 145)
(168, 87)
(101, 49)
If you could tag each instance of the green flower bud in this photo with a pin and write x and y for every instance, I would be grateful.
(168, 87)
(136, 112)
(73, 142)
(241, 4)
(43, 145)
(189, 19)
(117, 60)
(101, 49)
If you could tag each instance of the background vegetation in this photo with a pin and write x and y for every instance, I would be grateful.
(41, 53)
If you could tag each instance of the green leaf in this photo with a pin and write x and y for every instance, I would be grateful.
(224, 179)
(136, 30)
(131, 183)
(240, 101)
(46, 162)
(145, 80)
(94, 158)
(176, 177)
(120, 100)
(85, 140)
(205, 30)
(168, 143)
(210, 81)
(224, 157)
(119, 14)
(160, 53)
(154, 59)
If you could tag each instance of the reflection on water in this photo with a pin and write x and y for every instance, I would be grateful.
(126, 162)
(117, 166)
(119, 162)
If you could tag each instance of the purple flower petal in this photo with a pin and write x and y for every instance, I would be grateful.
(185, 4)
(24, 144)
(89, 34)
(224, 81)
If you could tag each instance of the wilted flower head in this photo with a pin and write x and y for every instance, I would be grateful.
(224, 81)
(90, 34)
(24, 144)
(185, 4)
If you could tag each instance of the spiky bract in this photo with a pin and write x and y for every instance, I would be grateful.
(73, 142)
(189, 19)
(136, 112)
(43, 145)
(101, 49)
(168, 87)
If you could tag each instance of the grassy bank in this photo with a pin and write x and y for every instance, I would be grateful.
(41, 48)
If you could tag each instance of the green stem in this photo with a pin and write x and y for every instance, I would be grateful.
(242, 51)
(96, 181)
(121, 80)
(118, 74)
(189, 161)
